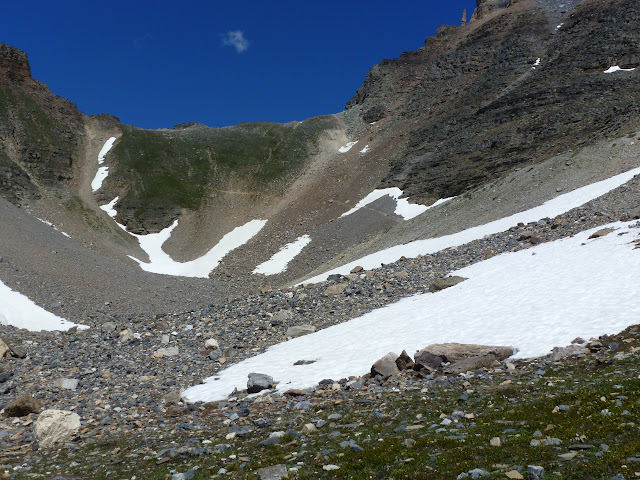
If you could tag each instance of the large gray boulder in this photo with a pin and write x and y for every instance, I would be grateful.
(386, 366)
(55, 427)
(470, 364)
(452, 352)
(424, 360)
(258, 382)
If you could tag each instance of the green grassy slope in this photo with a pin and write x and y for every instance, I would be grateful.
(164, 169)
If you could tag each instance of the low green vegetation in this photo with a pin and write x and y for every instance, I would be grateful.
(164, 169)
(577, 419)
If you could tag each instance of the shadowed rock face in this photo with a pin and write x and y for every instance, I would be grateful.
(39, 131)
(469, 106)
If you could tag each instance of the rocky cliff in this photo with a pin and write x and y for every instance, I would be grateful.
(521, 81)
(40, 132)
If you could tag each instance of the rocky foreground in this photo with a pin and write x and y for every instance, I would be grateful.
(121, 383)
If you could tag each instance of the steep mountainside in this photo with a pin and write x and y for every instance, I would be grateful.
(525, 83)
(522, 81)
(39, 131)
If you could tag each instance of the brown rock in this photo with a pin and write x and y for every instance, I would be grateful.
(386, 366)
(601, 233)
(357, 269)
(5, 351)
(426, 361)
(23, 406)
(295, 392)
(404, 362)
(446, 282)
(336, 289)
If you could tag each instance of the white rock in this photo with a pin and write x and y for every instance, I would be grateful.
(67, 383)
(56, 427)
(211, 343)
(167, 352)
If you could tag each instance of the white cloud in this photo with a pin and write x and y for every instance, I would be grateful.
(235, 39)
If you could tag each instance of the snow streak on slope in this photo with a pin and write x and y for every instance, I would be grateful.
(102, 172)
(616, 68)
(347, 147)
(403, 208)
(534, 300)
(17, 310)
(110, 207)
(279, 261)
(556, 206)
(160, 262)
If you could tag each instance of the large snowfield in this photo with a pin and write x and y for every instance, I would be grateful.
(533, 300)
(556, 206)
(160, 262)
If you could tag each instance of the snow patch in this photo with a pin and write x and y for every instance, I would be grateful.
(103, 172)
(47, 222)
(403, 208)
(616, 68)
(536, 64)
(110, 207)
(365, 149)
(279, 261)
(556, 206)
(347, 147)
(161, 262)
(19, 311)
(533, 300)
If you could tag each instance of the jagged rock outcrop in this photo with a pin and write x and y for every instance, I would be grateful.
(39, 131)
(476, 102)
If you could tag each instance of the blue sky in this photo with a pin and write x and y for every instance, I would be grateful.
(157, 63)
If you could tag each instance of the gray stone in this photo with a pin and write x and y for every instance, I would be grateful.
(535, 470)
(426, 360)
(184, 476)
(269, 441)
(562, 352)
(299, 330)
(386, 366)
(258, 382)
(471, 364)
(274, 472)
(108, 327)
(281, 316)
(215, 354)
(452, 352)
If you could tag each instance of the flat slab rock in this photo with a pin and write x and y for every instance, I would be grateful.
(274, 472)
(453, 352)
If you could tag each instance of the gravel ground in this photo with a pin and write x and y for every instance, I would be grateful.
(124, 384)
